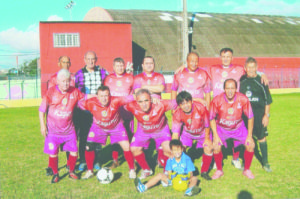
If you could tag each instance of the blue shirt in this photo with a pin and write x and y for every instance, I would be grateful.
(184, 166)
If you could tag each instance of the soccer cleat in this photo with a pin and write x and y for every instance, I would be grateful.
(55, 178)
(237, 164)
(192, 191)
(114, 165)
(97, 166)
(140, 187)
(82, 166)
(165, 184)
(217, 174)
(49, 171)
(145, 173)
(88, 174)
(132, 174)
(248, 174)
(205, 176)
(267, 168)
(73, 176)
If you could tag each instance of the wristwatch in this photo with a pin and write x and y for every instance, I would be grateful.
(268, 114)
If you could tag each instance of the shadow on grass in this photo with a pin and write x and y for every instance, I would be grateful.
(244, 195)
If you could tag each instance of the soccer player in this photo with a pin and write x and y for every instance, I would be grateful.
(155, 83)
(87, 80)
(195, 120)
(179, 164)
(107, 122)
(226, 122)
(59, 103)
(193, 80)
(120, 84)
(260, 99)
(63, 63)
(152, 124)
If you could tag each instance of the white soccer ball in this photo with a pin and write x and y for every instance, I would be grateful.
(105, 175)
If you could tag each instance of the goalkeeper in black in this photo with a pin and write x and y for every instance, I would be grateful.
(260, 99)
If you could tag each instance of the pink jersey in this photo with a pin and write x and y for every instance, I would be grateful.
(153, 120)
(194, 123)
(229, 115)
(219, 74)
(153, 79)
(196, 83)
(119, 85)
(106, 117)
(52, 80)
(59, 107)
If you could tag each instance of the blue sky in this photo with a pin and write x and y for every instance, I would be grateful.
(20, 18)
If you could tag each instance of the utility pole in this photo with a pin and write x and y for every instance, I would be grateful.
(69, 6)
(185, 40)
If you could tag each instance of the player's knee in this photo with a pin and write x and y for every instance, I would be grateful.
(208, 149)
(263, 139)
(73, 154)
(217, 149)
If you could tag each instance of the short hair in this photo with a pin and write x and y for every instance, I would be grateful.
(192, 53)
(250, 60)
(183, 96)
(230, 79)
(225, 50)
(119, 59)
(90, 51)
(59, 59)
(142, 91)
(175, 143)
(103, 88)
(63, 72)
(149, 57)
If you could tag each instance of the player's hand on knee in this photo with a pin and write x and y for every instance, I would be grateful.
(250, 142)
(44, 131)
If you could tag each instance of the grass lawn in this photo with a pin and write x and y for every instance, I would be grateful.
(22, 163)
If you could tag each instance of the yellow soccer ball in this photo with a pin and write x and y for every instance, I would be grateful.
(180, 182)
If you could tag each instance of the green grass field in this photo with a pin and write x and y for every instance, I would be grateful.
(22, 163)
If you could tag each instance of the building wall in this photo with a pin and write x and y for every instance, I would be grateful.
(108, 39)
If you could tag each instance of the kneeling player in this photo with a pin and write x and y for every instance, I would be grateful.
(226, 122)
(194, 117)
(260, 99)
(107, 122)
(59, 103)
(180, 164)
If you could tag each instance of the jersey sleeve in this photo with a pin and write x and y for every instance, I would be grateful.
(176, 122)
(51, 82)
(129, 107)
(162, 80)
(213, 110)
(169, 104)
(269, 97)
(136, 83)
(206, 119)
(175, 84)
(123, 100)
(247, 109)
(45, 103)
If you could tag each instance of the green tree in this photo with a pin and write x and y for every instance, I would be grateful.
(30, 67)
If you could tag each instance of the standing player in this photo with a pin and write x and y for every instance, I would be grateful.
(193, 80)
(260, 99)
(195, 120)
(63, 63)
(107, 122)
(152, 124)
(87, 80)
(59, 103)
(226, 122)
(155, 83)
(120, 84)
(180, 164)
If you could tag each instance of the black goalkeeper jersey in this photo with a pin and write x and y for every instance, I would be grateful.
(257, 93)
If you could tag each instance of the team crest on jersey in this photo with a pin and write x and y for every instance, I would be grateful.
(50, 146)
(239, 106)
(189, 121)
(149, 82)
(190, 80)
(248, 94)
(224, 74)
(104, 113)
(119, 83)
(91, 134)
(230, 111)
(64, 101)
(146, 117)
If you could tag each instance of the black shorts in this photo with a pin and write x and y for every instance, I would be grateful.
(259, 131)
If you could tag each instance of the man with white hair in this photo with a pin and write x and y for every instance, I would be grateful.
(59, 103)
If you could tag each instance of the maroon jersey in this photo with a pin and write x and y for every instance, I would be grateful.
(229, 115)
(194, 122)
(106, 117)
(153, 79)
(59, 107)
(219, 74)
(119, 85)
(153, 120)
(197, 83)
